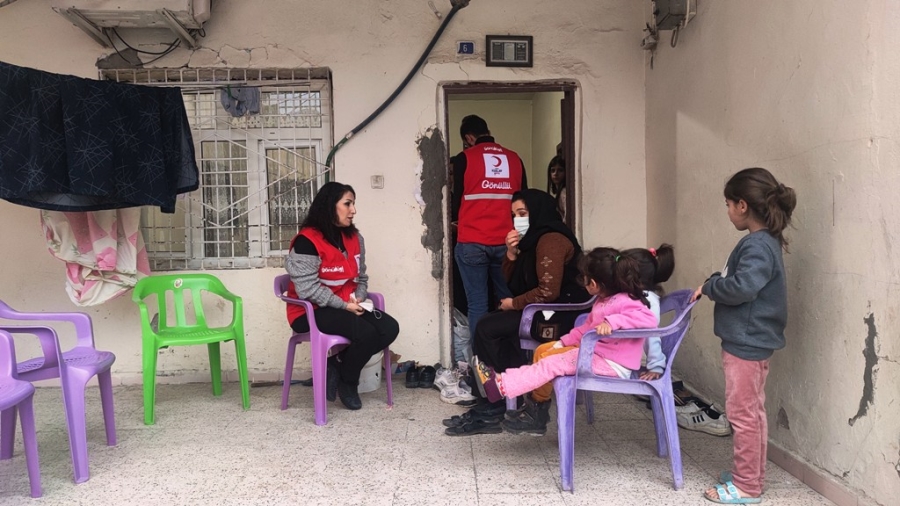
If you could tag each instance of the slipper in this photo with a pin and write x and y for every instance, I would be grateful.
(474, 427)
(728, 494)
(725, 477)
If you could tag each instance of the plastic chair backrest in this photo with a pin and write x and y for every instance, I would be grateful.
(196, 283)
(7, 356)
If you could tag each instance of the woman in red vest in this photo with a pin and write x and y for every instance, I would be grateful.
(327, 264)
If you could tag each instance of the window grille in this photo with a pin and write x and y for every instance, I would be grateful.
(258, 173)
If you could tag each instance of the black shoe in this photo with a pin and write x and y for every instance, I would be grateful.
(349, 395)
(532, 420)
(331, 379)
(490, 408)
(412, 377)
(426, 377)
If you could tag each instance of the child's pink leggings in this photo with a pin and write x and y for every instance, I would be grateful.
(745, 403)
(524, 379)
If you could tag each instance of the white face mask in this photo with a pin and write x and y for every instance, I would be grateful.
(520, 223)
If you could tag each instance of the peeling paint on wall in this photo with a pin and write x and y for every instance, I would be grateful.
(869, 374)
(433, 179)
(782, 419)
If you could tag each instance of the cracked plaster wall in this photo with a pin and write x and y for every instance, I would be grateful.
(369, 45)
(808, 90)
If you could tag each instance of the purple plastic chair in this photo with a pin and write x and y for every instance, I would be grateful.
(320, 344)
(74, 368)
(662, 399)
(525, 340)
(17, 395)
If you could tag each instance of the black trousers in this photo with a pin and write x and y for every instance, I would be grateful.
(368, 334)
(496, 340)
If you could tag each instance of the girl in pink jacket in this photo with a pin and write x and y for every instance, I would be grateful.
(620, 304)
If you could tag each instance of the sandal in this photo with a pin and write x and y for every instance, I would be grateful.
(727, 493)
(474, 427)
(469, 416)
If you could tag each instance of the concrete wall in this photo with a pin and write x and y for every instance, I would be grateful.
(369, 45)
(806, 89)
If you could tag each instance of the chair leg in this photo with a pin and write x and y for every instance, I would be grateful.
(588, 397)
(7, 432)
(670, 422)
(31, 450)
(659, 423)
(215, 367)
(288, 373)
(511, 404)
(564, 387)
(388, 373)
(150, 353)
(319, 369)
(73, 399)
(109, 412)
(240, 349)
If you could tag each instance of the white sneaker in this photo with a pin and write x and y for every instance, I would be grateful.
(701, 421)
(458, 393)
(445, 377)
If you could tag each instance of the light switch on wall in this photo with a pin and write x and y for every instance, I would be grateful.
(378, 182)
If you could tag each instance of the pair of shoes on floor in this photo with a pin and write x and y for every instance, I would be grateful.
(694, 417)
(420, 377)
(459, 393)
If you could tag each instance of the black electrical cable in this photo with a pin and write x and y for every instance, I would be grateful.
(171, 48)
(457, 5)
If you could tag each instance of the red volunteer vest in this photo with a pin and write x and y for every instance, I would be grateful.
(493, 174)
(338, 272)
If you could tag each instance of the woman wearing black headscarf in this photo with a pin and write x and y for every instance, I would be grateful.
(540, 267)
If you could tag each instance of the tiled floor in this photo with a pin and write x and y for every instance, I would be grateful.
(207, 451)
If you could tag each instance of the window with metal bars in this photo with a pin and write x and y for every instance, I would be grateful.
(258, 173)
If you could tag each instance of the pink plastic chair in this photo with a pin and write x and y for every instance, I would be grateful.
(17, 395)
(74, 368)
(525, 340)
(320, 344)
(662, 398)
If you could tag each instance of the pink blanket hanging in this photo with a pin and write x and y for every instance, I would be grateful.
(104, 251)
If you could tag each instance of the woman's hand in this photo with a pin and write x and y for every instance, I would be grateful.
(355, 308)
(506, 304)
(512, 244)
(604, 329)
(697, 293)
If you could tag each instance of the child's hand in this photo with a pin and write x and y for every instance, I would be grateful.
(697, 293)
(604, 329)
(557, 345)
(649, 375)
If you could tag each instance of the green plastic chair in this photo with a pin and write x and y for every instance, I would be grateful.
(159, 334)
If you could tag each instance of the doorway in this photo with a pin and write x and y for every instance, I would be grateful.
(536, 120)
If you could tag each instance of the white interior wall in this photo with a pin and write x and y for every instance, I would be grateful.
(369, 45)
(509, 120)
(806, 89)
(546, 133)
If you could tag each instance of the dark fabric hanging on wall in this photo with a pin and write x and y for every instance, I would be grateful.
(73, 144)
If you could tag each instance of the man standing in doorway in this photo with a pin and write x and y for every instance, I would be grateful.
(485, 176)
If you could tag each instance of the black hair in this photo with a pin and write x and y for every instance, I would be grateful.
(655, 266)
(770, 201)
(552, 189)
(322, 214)
(613, 272)
(473, 125)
